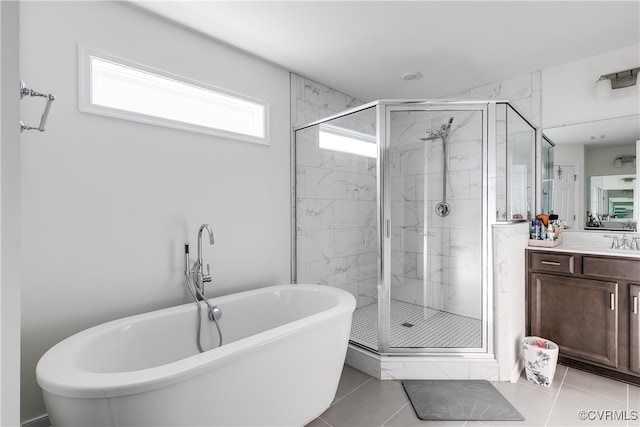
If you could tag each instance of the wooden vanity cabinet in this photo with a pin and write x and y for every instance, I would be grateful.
(590, 306)
(634, 329)
(558, 314)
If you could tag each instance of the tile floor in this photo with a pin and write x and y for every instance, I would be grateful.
(428, 327)
(364, 401)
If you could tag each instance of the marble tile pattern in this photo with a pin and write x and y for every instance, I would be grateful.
(312, 101)
(515, 169)
(509, 284)
(336, 209)
(336, 200)
(524, 92)
(448, 274)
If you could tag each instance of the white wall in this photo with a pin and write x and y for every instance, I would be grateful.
(569, 90)
(9, 216)
(107, 204)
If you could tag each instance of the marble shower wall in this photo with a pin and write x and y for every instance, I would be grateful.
(509, 288)
(311, 101)
(336, 209)
(335, 236)
(524, 92)
(447, 275)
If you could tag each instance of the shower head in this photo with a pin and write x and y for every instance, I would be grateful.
(446, 128)
(431, 137)
(443, 132)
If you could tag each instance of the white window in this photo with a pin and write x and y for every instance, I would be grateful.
(117, 88)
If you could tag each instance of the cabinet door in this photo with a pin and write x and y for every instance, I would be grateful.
(579, 315)
(634, 329)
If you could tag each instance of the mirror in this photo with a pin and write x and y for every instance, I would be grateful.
(611, 202)
(602, 151)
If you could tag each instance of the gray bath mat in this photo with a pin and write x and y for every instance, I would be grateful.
(459, 400)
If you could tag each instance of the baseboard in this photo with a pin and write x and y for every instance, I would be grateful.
(363, 360)
(516, 370)
(42, 421)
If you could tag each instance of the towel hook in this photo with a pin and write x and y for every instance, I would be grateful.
(25, 91)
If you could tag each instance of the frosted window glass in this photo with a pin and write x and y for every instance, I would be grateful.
(346, 141)
(127, 92)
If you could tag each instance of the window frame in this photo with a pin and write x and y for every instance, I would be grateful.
(86, 105)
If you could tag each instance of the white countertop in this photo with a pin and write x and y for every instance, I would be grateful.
(591, 242)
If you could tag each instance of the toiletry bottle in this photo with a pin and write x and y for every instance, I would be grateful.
(535, 229)
(550, 232)
(532, 231)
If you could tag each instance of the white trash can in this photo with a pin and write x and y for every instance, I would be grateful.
(540, 360)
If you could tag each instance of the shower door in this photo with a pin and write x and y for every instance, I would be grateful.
(434, 293)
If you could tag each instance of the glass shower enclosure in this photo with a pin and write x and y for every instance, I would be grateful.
(394, 202)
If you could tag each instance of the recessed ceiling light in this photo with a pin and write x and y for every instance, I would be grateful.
(413, 75)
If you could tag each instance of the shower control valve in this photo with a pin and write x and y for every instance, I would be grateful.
(207, 277)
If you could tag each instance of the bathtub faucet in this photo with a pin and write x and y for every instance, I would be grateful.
(196, 274)
(202, 278)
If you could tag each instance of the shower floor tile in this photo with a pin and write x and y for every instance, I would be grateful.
(413, 326)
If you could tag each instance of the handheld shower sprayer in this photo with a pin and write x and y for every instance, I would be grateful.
(186, 259)
(442, 208)
(196, 279)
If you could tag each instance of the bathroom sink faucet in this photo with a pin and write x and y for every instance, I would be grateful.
(615, 243)
(624, 244)
(202, 278)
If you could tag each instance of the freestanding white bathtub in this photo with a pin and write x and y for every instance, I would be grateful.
(284, 348)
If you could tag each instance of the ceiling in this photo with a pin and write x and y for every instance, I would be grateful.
(362, 48)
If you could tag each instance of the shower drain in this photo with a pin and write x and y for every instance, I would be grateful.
(407, 324)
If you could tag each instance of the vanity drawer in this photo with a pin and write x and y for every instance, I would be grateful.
(552, 262)
(626, 269)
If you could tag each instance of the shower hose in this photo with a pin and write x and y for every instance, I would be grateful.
(195, 293)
